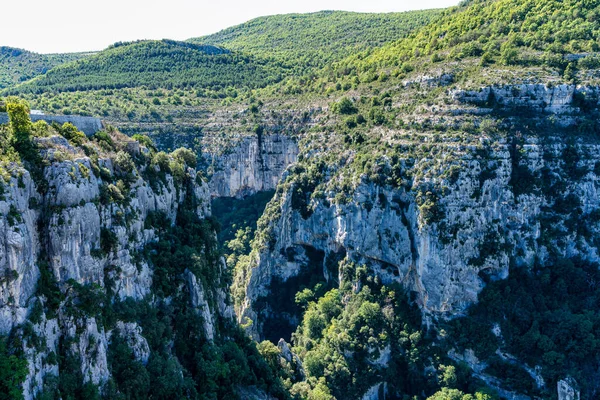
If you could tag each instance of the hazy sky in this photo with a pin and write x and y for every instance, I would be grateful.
(49, 26)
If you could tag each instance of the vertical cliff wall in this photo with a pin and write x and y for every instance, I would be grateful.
(254, 164)
(82, 238)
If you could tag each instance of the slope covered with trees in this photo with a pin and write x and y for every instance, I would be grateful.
(17, 65)
(149, 85)
(480, 35)
(157, 64)
(307, 41)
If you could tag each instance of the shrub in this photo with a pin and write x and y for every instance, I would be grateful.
(72, 134)
(345, 106)
(185, 155)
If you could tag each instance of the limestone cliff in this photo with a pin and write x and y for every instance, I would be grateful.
(255, 164)
(84, 227)
(441, 218)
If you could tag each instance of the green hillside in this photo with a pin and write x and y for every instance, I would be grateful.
(17, 65)
(314, 40)
(522, 33)
(165, 82)
(157, 64)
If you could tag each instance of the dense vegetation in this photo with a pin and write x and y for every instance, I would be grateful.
(17, 65)
(477, 41)
(157, 64)
(547, 316)
(505, 31)
(140, 83)
(352, 338)
(306, 41)
(239, 214)
(183, 362)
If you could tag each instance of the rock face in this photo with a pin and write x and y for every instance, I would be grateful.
(19, 251)
(536, 97)
(73, 234)
(497, 207)
(255, 164)
(567, 389)
(440, 215)
(376, 392)
(133, 335)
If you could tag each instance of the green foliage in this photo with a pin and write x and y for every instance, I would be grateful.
(86, 301)
(189, 244)
(187, 156)
(547, 317)
(18, 139)
(18, 65)
(71, 133)
(304, 181)
(315, 40)
(157, 64)
(238, 214)
(525, 32)
(338, 341)
(145, 140)
(455, 394)
(164, 81)
(108, 240)
(20, 123)
(130, 375)
(344, 106)
(183, 363)
(282, 309)
(48, 287)
(13, 370)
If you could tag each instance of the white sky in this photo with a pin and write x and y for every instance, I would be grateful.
(51, 26)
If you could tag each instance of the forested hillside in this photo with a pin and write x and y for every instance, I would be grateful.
(306, 41)
(17, 65)
(157, 64)
(487, 42)
(138, 87)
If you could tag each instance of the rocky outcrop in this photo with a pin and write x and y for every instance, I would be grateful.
(484, 219)
(132, 333)
(199, 302)
(255, 164)
(553, 99)
(19, 249)
(84, 231)
(376, 392)
(566, 389)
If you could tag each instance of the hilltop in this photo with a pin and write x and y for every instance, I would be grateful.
(139, 87)
(314, 40)
(156, 64)
(528, 38)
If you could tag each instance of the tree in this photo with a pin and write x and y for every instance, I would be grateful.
(450, 394)
(13, 371)
(344, 106)
(20, 122)
(570, 74)
(185, 155)
(508, 54)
